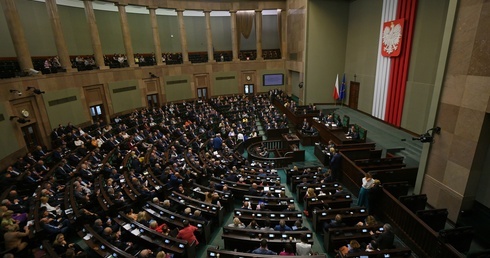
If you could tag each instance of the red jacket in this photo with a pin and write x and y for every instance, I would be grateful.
(187, 234)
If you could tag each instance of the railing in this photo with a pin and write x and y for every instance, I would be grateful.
(270, 145)
(412, 230)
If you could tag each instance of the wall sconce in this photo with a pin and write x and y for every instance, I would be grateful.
(20, 120)
(36, 91)
(17, 92)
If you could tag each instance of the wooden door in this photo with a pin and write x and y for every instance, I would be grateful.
(201, 85)
(353, 94)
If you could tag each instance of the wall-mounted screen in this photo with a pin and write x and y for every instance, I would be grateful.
(276, 79)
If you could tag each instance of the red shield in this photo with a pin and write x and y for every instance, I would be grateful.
(391, 38)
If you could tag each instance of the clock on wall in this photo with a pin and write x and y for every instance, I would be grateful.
(300, 85)
(25, 112)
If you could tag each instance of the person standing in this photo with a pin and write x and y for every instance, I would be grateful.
(303, 247)
(335, 163)
(187, 233)
(367, 184)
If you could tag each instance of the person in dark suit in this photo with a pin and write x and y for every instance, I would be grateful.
(253, 190)
(335, 163)
(385, 239)
(336, 223)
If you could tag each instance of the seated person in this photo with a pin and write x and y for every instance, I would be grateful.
(60, 246)
(237, 223)
(263, 249)
(282, 226)
(353, 133)
(264, 153)
(288, 250)
(383, 240)
(337, 222)
(354, 247)
(13, 237)
(298, 225)
(163, 228)
(369, 221)
(253, 225)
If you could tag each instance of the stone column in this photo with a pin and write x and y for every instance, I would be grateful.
(234, 39)
(183, 37)
(123, 17)
(17, 34)
(209, 36)
(94, 34)
(258, 33)
(59, 39)
(284, 34)
(156, 35)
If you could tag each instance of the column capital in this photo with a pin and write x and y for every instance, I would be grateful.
(206, 11)
(180, 10)
(120, 4)
(152, 7)
(258, 10)
(233, 11)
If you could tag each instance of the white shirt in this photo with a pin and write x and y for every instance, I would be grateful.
(303, 248)
(240, 136)
(367, 184)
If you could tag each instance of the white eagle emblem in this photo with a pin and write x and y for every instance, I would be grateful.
(391, 37)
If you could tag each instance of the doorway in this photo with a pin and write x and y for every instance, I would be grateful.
(248, 89)
(97, 113)
(152, 101)
(202, 93)
(31, 136)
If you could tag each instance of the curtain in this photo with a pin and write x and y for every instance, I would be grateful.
(244, 22)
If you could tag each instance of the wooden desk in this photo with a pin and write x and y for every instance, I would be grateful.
(244, 239)
(334, 238)
(402, 252)
(350, 216)
(100, 245)
(213, 253)
(306, 139)
(337, 135)
(246, 216)
(269, 203)
(327, 188)
(328, 201)
(175, 219)
(170, 244)
(290, 139)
